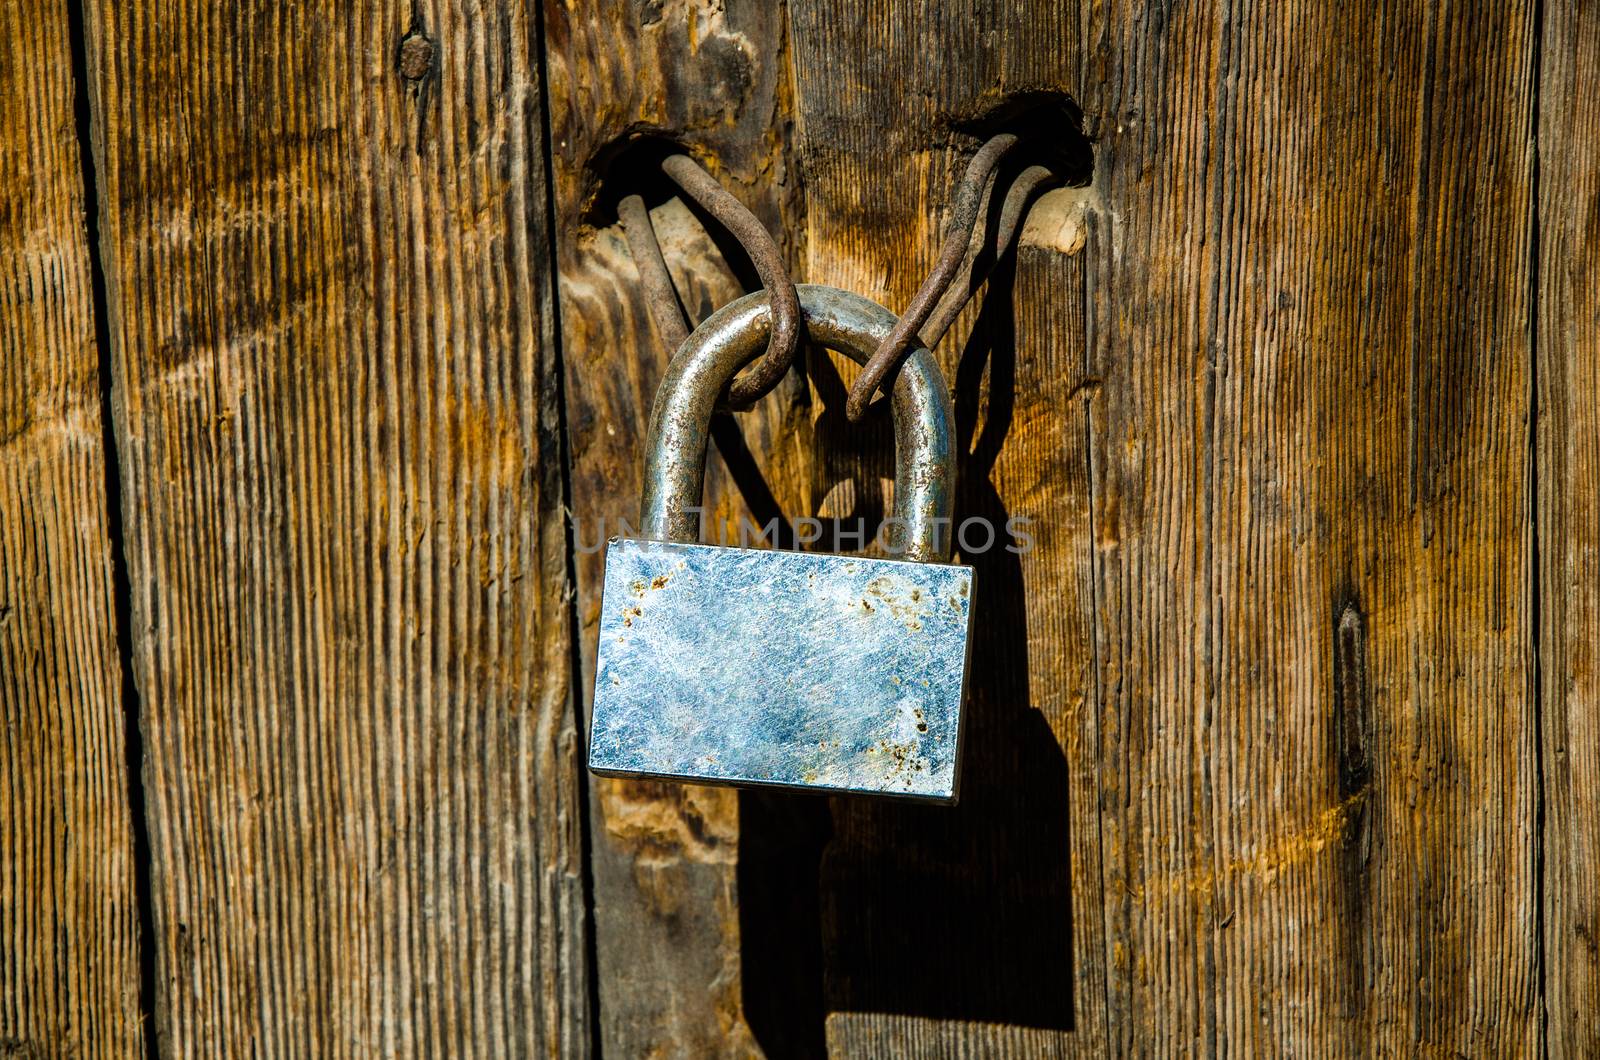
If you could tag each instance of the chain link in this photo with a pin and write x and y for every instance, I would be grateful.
(961, 269)
(670, 319)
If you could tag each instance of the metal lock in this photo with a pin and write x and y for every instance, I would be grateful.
(746, 666)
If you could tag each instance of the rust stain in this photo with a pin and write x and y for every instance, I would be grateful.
(908, 608)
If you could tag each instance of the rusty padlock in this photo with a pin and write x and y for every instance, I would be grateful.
(744, 666)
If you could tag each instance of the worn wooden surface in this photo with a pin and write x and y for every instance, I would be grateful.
(711, 79)
(1567, 463)
(69, 945)
(1283, 733)
(967, 930)
(1309, 307)
(330, 316)
(1304, 717)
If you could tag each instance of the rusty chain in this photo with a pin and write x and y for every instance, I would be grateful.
(756, 241)
(957, 239)
(955, 296)
(659, 294)
(955, 277)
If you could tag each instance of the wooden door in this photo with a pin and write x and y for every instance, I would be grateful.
(324, 367)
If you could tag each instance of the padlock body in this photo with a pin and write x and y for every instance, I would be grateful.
(758, 667)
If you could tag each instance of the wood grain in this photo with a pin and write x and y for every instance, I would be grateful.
(69, 935)
(1309, 308)
(1282, 734)
(666, 858)
(330, 316)
(1302, 639)
(970, 931)
(1567, 468)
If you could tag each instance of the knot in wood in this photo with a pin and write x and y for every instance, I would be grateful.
(416, 56)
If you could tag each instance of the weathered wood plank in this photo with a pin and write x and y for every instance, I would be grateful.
(667, 861)
(974, 930)
(330, 316)
(1567, 469)
(69, 962)
(1309, 308)
(1311, 753)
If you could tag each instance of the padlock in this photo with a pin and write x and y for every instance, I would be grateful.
(727, 665)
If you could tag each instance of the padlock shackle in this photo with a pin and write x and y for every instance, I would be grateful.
(675, 458)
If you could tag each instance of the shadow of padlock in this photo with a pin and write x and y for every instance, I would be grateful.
(723, 665)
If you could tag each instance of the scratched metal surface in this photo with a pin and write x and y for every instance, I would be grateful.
(745, 666)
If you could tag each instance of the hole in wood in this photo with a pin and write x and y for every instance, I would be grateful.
(1050, 126)
(630, 165)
